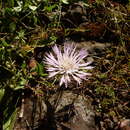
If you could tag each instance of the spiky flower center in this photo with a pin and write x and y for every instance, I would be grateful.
(67, 65)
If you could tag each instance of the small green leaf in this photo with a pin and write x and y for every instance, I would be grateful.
(21, 84)
(33, 8)
(39, 69)
(2, 91)
(9, 124)
(4, 43)
(50, 8)
(12, 26)
(17, 9)
(65, 1)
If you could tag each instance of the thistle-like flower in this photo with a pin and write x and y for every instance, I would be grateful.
(68, 63)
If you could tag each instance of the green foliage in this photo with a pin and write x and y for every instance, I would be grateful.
(65, 1)
(9, 124)
(8, 107)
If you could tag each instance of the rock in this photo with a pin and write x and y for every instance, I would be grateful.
(33, 111)
(94, 49)
(78, 116)
(93, 46)
(76, 10)
(125, 124)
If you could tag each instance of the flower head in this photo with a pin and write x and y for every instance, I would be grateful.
(67, 63)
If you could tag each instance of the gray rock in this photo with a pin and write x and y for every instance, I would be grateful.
(84, 116)
(92, 46)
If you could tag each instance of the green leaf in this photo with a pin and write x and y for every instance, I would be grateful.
(65, 1)
(2, 91)
(11, 3)
(39, 68)
(21, 84)
(19, 7)
(12, 26)
(33, 8)
(9, 124)
(50, 8)
(4, 43)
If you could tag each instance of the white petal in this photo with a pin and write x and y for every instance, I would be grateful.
(77, 79)
(81, 72)
(81, 76)
(73, 52)
(83, 52)
(50, 62)
(50, 58)
(52, 69)
(67, 77)
(62, 80)
(80, 58)
(69, 49)
(51, 74)
(85, 64)
(56, 50)
(87, 68)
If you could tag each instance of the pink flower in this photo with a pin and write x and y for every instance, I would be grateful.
(68, 64)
